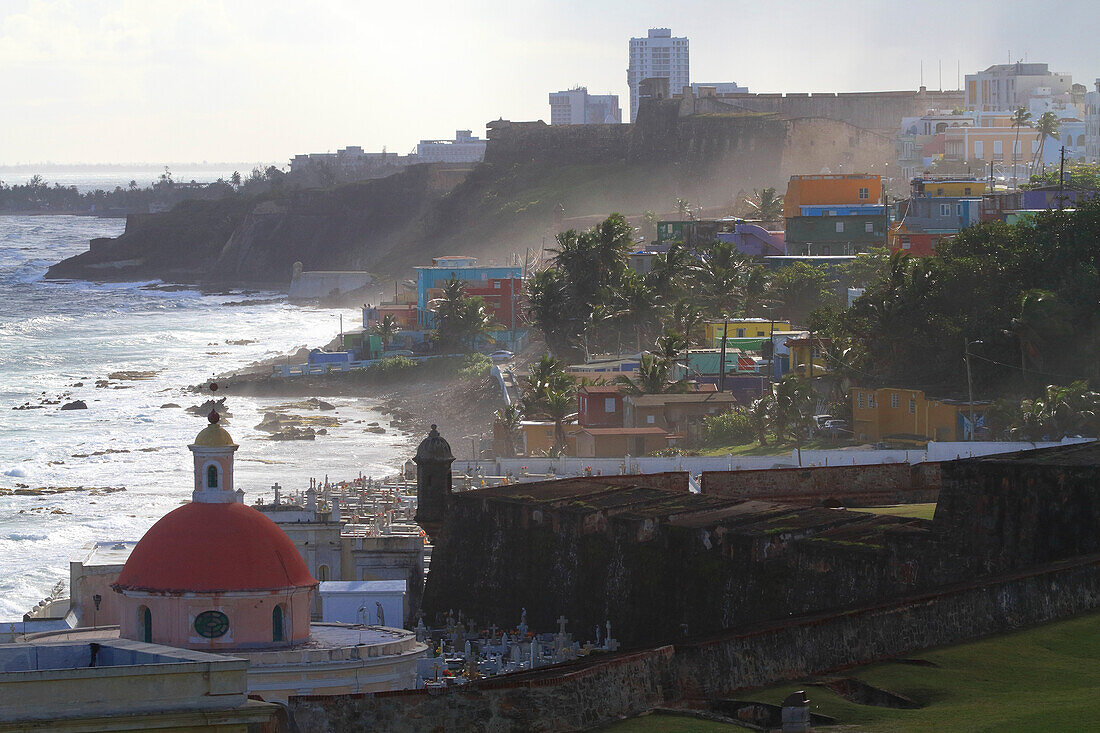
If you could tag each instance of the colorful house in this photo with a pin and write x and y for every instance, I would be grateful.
(619, 442)
(881, 414)
(431, 279)
(836, 229)
(807, 356)
(600, 406)
(680, 413)
(830, 189)
(743, 328)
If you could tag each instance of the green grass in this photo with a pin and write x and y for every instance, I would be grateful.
(916, 511)
(660, 723)
(772, 449)
(1041, 679)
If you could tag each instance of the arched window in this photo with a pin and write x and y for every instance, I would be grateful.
(1081, 140)
(211, 476)
(322, 573)
(145, 622)
(277, 624)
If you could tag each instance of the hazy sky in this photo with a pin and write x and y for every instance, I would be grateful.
(97, 81)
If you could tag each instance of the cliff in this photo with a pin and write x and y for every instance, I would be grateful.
(536, 181)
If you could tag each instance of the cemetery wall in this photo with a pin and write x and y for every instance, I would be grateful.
(888, 483)
(600, 690)
(563, 698)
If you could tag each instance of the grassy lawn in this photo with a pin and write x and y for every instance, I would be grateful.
(1042, 679)
(660, 723)
(773, 449)
(916, 511)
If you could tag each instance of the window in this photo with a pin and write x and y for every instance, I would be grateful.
(869, 228)
(212, 476)
(912, 407)
(496, 283)
(966, 191)
(979, 149)
(322, 573)
(840, 227)
(740, 333)
(650, 419)
(864, 194)
(145, 622)
(860, 401)
(945, 209)
(894, 400)
(905, 242)
(958, 209)
(760, 333)
(609, 404)
(997, 147)
(211, 624)
(1034, 147)
(277, 624)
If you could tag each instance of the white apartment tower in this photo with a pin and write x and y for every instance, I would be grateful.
(658, 55)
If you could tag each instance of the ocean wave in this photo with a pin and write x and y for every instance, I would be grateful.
(24, 536)
(15, 473)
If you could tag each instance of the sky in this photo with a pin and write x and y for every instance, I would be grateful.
(95, 81)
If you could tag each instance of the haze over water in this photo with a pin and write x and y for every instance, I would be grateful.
(55, 334)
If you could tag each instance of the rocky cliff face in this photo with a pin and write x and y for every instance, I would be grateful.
(537, 180)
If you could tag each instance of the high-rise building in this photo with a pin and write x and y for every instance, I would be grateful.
(658, 55)
(1005, 87)
(1092, 125)
(578, 107)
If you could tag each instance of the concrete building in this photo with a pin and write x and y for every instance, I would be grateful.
(1092, 124)
(577, 107)
(879, 414)
(483, 280)
(716, 89)
(658, 55)
(1005, 87)
(465, 148)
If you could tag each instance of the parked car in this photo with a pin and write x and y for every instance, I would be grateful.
(501, 356)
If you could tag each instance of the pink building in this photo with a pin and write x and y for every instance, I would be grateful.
(215, 574)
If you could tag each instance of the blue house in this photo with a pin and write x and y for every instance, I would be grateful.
(431, 279)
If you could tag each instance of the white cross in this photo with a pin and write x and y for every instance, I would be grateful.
(562, 621)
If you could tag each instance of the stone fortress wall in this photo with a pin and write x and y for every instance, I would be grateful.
(603, 689)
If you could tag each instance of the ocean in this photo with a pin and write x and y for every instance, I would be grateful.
(58, 338)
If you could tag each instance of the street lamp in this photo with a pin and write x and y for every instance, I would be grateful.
(970, 384)
(771, 341)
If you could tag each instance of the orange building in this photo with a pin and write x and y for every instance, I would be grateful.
(828, 188)
(879, 414)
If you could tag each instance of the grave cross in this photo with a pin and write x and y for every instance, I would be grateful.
(492, 631)
(562, 621)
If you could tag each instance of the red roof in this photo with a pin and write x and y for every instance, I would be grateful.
(206, 548)
(601, 388)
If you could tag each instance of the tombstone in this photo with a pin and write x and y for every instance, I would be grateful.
(796, 713)
(379, 614)
(421, 630)
(522, 628)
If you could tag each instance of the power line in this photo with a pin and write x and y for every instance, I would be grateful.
(1032, 371)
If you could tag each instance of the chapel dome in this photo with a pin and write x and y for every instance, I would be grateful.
(211, 548)
(434, 448)
(214, 435)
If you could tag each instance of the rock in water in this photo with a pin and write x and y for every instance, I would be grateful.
(167, 405)
(75, 405)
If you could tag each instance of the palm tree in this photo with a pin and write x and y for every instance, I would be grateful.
(386, 329)
(769, 207)
(649, 223)
(652, 377)
(1020, 118)
(683, 207)
(760, 416)
(685, 318)
(637, 305)
(793, 408)
(559, 404)
(509, 419)
(1047, 126)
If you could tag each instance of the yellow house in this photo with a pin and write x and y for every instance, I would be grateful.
(878, 414)
(538, 437)
(745, 328)
(805, 351)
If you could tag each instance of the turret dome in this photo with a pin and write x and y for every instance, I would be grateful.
(434, 448)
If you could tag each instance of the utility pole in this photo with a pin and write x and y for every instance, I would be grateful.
(1062, 179)
(970, 386)
(722, 357)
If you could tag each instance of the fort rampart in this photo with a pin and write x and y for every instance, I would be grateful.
(598, 691)
(888, 483)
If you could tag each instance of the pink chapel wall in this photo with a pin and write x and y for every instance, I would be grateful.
(249, 614)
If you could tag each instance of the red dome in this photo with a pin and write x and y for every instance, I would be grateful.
(210, 548)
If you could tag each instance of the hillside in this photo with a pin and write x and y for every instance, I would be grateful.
(512, 201)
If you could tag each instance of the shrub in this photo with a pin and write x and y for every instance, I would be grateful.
(729, 428)
(475, 366)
